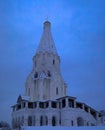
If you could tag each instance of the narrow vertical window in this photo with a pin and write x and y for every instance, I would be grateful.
(53, 62)
(49, 74)
(72, 123)
(57, 91)
(53, 121)
(36, 75)
(41, 120)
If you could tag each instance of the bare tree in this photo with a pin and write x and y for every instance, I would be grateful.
(4, 125)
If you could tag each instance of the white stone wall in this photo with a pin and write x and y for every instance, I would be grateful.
(44, 87)
(67, 116)
(72, 114)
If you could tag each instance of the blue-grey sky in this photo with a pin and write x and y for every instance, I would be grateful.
(78, 28)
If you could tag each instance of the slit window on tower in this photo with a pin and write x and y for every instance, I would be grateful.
(57, 91)
(36, 75)
(49, 74)
(53, 62)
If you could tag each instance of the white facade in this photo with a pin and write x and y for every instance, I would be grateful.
(45, 101)
(45, 81)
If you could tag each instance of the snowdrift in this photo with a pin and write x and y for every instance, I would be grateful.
(64, 128)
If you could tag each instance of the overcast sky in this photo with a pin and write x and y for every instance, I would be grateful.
(78, 28)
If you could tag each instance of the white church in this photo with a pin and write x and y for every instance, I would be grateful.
(45, 102)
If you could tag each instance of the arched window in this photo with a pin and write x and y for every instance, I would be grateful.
(41, 120)
(72, 123)
(30, 121)
(53, 62)
(49, 74)
(80, 121)
(53, 121)
(36, 75)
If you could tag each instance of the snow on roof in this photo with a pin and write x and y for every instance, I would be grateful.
(25, 97)
(64, 128)
(47, 100)
(66, 97)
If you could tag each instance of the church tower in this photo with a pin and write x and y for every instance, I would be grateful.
(45, 81)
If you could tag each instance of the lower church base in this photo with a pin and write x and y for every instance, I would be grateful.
(65, 111)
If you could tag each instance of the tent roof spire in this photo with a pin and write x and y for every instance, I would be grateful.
(46, 43)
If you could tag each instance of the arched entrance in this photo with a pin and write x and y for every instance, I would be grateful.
(41, 120)
(72, 123)
(80, 121)
(30, 121)
(53, 121)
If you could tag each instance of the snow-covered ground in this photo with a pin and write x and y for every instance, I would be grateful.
(65, 128)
